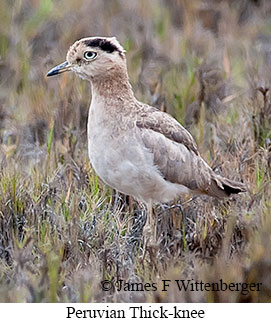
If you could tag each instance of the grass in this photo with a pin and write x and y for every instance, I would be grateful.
(62, 231)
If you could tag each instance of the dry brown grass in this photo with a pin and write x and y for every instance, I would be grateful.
(61, 230)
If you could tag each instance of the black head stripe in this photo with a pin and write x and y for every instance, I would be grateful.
(103, 44)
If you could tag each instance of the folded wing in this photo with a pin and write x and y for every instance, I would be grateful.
(177, 158)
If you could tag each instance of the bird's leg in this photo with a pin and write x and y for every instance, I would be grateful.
(149, 231)
(152, 222)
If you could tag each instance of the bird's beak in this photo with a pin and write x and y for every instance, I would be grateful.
(64, 67)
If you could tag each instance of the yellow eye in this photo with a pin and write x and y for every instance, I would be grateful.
(90, 55)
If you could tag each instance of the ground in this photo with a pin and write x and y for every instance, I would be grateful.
(62, 231)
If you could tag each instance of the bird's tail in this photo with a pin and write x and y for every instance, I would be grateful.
(222, 187)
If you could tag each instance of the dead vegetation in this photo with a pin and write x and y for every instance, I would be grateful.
(61, 230)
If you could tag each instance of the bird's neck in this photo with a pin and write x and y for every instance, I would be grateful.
(113, 86)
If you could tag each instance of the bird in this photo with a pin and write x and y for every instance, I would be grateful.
(133, 147)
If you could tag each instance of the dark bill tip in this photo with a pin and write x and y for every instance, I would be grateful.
(59, 69)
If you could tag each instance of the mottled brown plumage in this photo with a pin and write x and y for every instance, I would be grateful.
(153, 119)
(178, 158)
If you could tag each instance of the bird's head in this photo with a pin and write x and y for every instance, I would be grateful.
(91, 57)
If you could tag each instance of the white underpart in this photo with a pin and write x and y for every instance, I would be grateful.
(123, 162)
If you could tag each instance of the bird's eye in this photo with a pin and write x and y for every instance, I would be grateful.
(90, 55)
